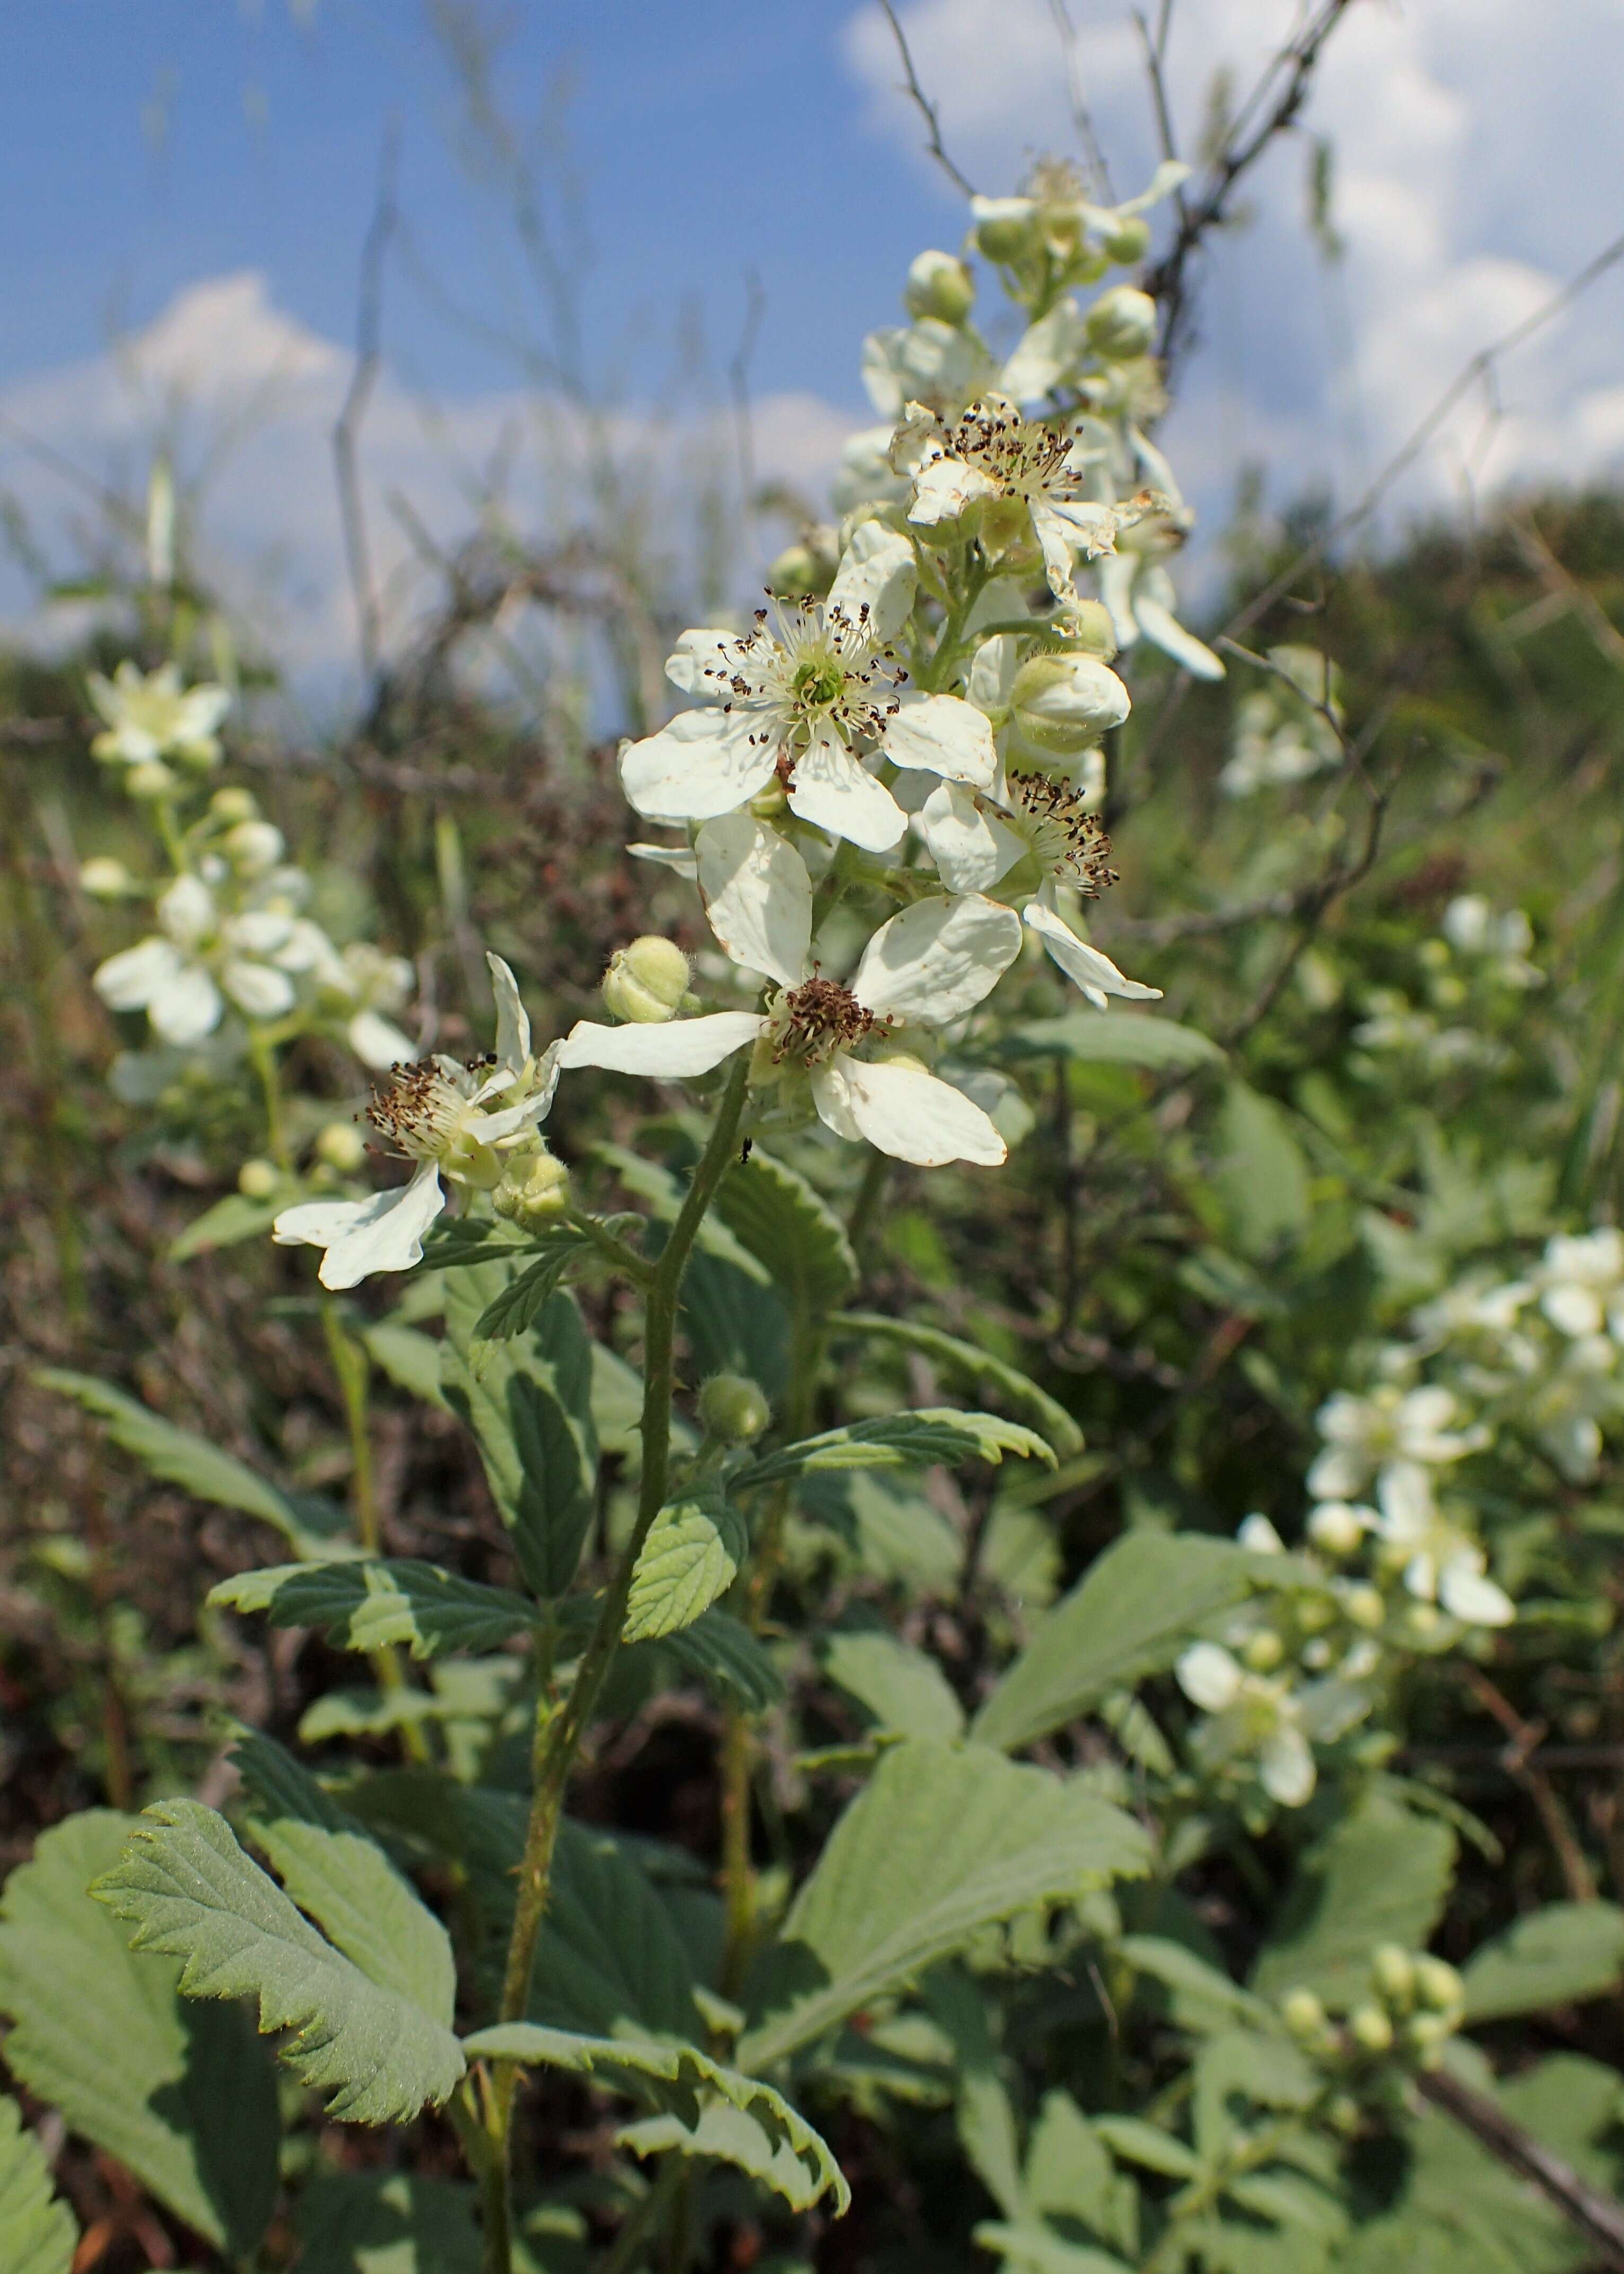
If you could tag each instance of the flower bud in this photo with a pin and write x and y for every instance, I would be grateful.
(1366, 1606)
(1304, 2015)
(1005, 229)
(255, 845)
(1063, 703)
(105, 879)
(1128, 241)
(1091, 631)
(732, 1407)
(231, 805)
(1370, 2029)
(940, 285)
(1264, 1652)
(534, 1189)
(1122, 323)
(1334, 1527)
(1427, 2034)
(257, 1180)
(803, 570)
(152, 779)
(646, 983)
(341, 1145)
(1343, 2113)
(1438, 1986)
(1394, 1972)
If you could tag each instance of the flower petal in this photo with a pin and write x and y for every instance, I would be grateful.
(512, 1022)
(940, 734)
(186, 1007)
(678, 858)
(944, 488)
(1095, 973)
(1470, 1597)
(1044, 353)
(1159, 624)
(1286, 1768)
(878, 571)
(129, 980)
(758, 896)
(904, 1111)
(377, 1043)
(831, 788)
(700, 665)
(1208, 1676)
(363, 1237)
(187, 911)
(259, 988)
(972, 849)
(702, 763)
(686, 1046)
(937, 959)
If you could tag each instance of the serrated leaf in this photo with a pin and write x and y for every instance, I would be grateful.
(184, 2097)
(725, 1654)
(969, 1360)
(1202, 1998)
(608, 1959)
(369, 1607)
(278, 1785)
(733, 1324)
(895, 1440)
(790, 1228)
(386, 2223)
(785, 2151)
(942, 1842)
(1380, 1875)
(1134, 1610)
(1114, 1038)
(903, 1689)
(193, 1894)
(229, 1222)
(1070, 2175)
(346, 1883)
(179, 1457)
(513, 1311)
(528, 1401)
(38, 2234)
(690, 1557)
(459, 1242)
(1557, 1956)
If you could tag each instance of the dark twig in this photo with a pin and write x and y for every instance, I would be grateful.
(927, 108)
(1597, 2216)
(363, 380)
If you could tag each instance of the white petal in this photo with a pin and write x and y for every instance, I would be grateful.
(259, 988)
(129, 980)
(698, 653)
(363, 1237)
(832, 789)
(186, 910)
(686, 1046)
(1287, 1767)
(1404, 1493)
(1466, 1594)
(1047, 350)
(186, 1007)
(937, 959)
(971, 848)
(1095, 973)
(1208, 1676)
(512, 1022)
(377, 1043)
(879, 571)
(308, 948)
(991, 673)
(758, 896)
(678, 858)
(944, 488)
(1259, 1535)
(942, 735)
(1158, 623)
(906, 1112)
(702, 763)
(1336, 1474)
(259, 931)
(1575, 1310)
(1116, 578)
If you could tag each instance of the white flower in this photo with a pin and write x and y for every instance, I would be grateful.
(1136, 589)
(434, 1113)
(1391, 1432)
(1281, 733)
(928, 966)
(1029, 474)
(1473, 927)
(795, 695)
(374, 983)
(1581, 1283)
(1032, 836)
(1444, 1563)
(1253, 1717)
(931, 362)
(183, 974)
(154, 717)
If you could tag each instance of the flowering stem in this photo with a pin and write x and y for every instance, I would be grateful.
(264, 1056)
(559, 1730)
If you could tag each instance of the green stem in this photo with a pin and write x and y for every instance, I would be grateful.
(871, 1191)
(559, 1732)
(263, 1054)
(618, 1251)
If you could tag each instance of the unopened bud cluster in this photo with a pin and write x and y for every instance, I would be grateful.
(1413, 2005)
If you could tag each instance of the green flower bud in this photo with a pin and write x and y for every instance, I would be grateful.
(1264, 1651)
(1122, 323)
(1062, 702)
(1304, 2015)
(1334, 1527)
(646, 983)
(731, 1407)
(230, 805)
(1366, 1606)
(1438, 1986)
(341, 1145)
(1394, 1972)
(1128, 241)
(1343, 2114)
(254, 846)
(257, 1180)
(105, 879)
(534, 1189)
(940, 285)
(1370, 2027)
(152, 779)
(1427, 2034)
(1091, 632)
(1006, 230)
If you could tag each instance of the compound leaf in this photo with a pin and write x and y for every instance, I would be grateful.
(370, 1605)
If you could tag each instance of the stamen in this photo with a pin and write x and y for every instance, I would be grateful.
(821, 1016)
(1068, 839)
(419, 1109)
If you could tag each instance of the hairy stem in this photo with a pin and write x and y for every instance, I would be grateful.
(559, 1730)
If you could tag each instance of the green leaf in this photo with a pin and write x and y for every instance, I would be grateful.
(1069, 2174)
(734, 1325)
(180, 1458)
(1114, 1038)
(895, 1440)
(38, 2234)
(367, 1607)
(1380, 1875)
(459, 1242)
(229, 1222)
(1202, 1998)
(281, 1786)
(791, 1228)
(1135, 2141)
(1132, 1613)
(902, 1688)
(1033, 2250)
(779, 2146)
(513, 1310)
(184, 2097)
(690, 1557)
(1556, 1956)
(942, 1843)
(528, 1401)
(968, 1360)
(410, 1358)
(1260, 1176)
(663, 1194)
(193, 1893)
(346, 1883)
(723, 1650)
(386, 2223)
(609, 1958)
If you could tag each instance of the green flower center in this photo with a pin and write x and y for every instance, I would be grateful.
(819, 682)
